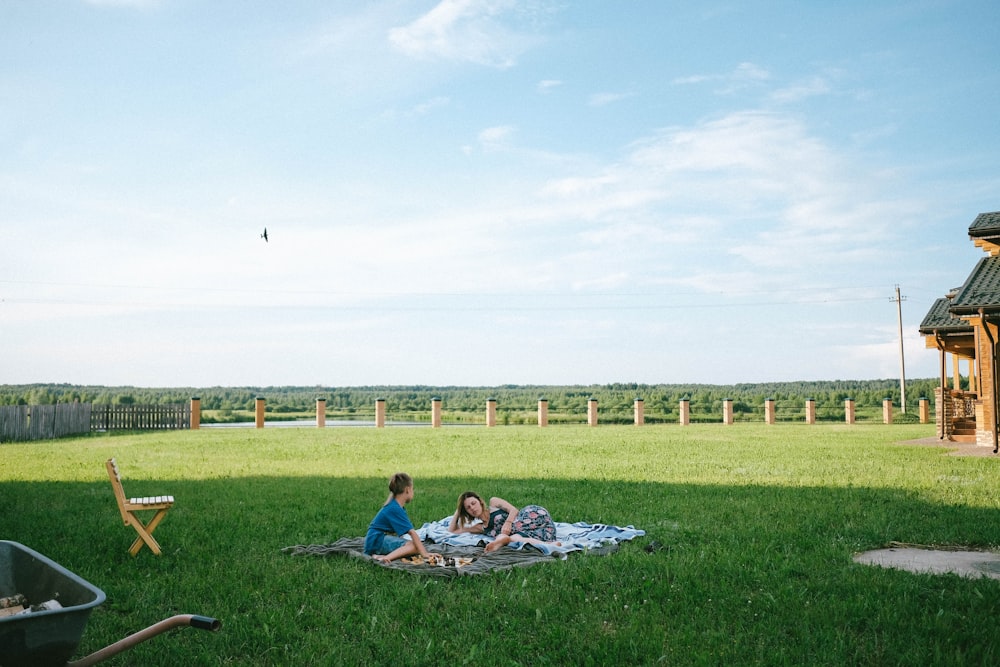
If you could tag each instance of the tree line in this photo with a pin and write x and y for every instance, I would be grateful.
(615, 401)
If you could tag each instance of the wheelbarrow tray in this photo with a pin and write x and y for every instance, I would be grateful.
(48, 637)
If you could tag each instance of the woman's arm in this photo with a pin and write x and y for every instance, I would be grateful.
(500, 503)
(455, 526)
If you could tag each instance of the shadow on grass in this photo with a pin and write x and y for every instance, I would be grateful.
(748, 574)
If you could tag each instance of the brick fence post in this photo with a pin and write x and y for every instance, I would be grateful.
(592, 412)
(638, 413)
(436, 412)
(379, 413)
(491, 412)
(320, 413)
(259, 412)
(195, 413)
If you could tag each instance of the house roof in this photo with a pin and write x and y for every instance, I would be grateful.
(939, 320)
(981, 289)
(985, 225)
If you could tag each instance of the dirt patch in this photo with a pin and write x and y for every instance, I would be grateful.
(950, 447)
(972, 564)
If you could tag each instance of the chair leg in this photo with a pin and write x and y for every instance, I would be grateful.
(146, 534)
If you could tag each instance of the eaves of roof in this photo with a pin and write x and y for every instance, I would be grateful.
(981, 290)
(986, 225)
(939, 320)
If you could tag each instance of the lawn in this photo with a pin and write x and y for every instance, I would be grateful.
(758, 524)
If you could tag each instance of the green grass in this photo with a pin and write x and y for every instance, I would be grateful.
(760, 524)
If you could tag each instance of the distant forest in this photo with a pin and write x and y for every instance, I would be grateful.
(515, 403)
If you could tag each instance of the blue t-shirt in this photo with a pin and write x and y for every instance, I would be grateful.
(391, 518)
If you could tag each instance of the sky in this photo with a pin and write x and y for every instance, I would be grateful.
(487, 192)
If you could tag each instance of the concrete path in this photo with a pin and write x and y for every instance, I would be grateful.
(972, 564)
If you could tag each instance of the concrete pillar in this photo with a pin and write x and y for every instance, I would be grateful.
(543, 412)
(925, 410)
(320, 413)
(768, 410)
(639, 412)
(491, 412)
(727, 411)
(379, 413)
(195, 413)
(592, 412)
(436, 412)
(259, 412)
(886, 410)
(685, 412)
(810, 411)
(849, 410)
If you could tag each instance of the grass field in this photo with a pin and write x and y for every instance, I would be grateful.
(759, 525)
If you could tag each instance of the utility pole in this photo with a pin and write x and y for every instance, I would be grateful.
(902, 361)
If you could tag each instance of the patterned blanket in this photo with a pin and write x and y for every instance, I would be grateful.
(463, 554)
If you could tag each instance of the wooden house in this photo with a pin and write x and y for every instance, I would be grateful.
(965, 325)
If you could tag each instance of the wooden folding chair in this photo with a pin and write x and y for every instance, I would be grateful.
(129, 507)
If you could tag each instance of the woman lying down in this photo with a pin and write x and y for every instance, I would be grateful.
(503, 522)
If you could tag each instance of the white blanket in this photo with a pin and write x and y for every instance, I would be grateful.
(572, 536)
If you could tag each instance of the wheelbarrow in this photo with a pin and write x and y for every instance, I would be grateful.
(49, 637)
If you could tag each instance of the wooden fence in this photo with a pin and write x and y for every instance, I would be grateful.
(42, 422)
(140, 417)
(19, 423)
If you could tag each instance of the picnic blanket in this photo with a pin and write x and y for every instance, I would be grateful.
(463, 553)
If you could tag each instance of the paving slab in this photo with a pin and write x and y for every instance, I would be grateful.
(972, 564)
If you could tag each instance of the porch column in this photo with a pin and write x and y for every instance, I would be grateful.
(886, 410)
(379, 413)
(768, 410)
(810, 411)
(849, 410)
(638, 412)
(727, 411)
(320, 413)
(685, 412)
(543, 412)
(259, 412)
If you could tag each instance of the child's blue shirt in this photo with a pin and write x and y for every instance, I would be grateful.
(392, 518)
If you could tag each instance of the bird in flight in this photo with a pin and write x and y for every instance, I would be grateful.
(264, 235)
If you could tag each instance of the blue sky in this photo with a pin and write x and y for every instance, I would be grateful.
(484, 192)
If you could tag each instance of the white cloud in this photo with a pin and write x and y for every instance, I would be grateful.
(745, 75)
(495, 137)
(136, 4)
(476, 31)
(603, 99)
(547, 85)
(811, 87)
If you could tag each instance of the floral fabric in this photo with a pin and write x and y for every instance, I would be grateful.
(531, 521)
(534, 521)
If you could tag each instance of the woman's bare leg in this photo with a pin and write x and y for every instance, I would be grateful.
(503, 540)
